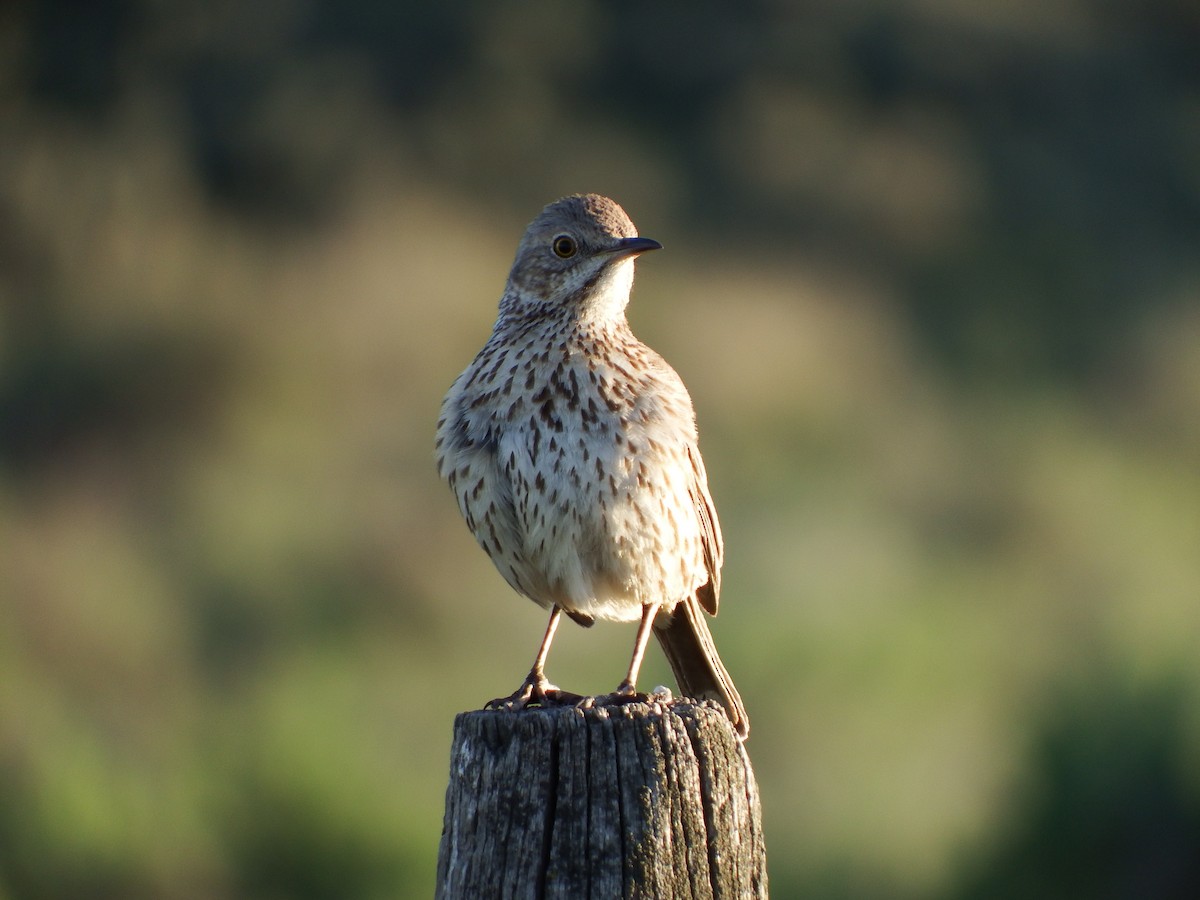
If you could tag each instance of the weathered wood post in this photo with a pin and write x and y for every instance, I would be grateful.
(647, 800)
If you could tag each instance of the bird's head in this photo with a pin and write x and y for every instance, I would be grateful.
(576, 258)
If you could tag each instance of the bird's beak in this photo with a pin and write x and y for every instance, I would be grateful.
(633, 246)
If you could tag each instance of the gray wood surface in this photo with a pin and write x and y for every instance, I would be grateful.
(643, 800)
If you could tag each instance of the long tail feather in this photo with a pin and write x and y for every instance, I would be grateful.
(692, 653)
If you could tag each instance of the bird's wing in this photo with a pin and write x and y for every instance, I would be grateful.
(710, 533)
(479, 463)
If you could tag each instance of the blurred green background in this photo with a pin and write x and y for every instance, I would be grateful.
(932, 277)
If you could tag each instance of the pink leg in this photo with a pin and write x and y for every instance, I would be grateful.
(535, 688)
(628, 686)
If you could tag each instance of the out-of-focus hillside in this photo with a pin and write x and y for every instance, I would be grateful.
(930, 277)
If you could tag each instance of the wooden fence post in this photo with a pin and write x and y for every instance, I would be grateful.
(649, 800)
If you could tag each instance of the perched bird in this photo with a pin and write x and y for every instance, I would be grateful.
(571, 448)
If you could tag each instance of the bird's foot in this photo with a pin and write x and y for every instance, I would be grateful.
(625, 693)
(532, 692)
(535, 691)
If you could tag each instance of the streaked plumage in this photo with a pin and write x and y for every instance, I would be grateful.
(571, 448)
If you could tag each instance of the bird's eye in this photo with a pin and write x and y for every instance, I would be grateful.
(564, 246)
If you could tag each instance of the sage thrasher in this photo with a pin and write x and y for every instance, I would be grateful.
(571, 448)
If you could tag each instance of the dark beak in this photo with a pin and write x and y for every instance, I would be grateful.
(635, 245)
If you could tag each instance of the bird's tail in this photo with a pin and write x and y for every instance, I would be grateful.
(692, 653)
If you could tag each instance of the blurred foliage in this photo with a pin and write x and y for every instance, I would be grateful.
(932, 282)
(1111, 812)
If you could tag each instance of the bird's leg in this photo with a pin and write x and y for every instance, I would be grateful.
(537, 674)
(626, 691)
(628, 686)
(536, 689)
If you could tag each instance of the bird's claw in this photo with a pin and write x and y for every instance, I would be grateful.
(535, 692)
(625, 693)
(538, 692)
(530, 693)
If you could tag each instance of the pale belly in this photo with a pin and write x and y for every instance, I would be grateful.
(582, 521)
